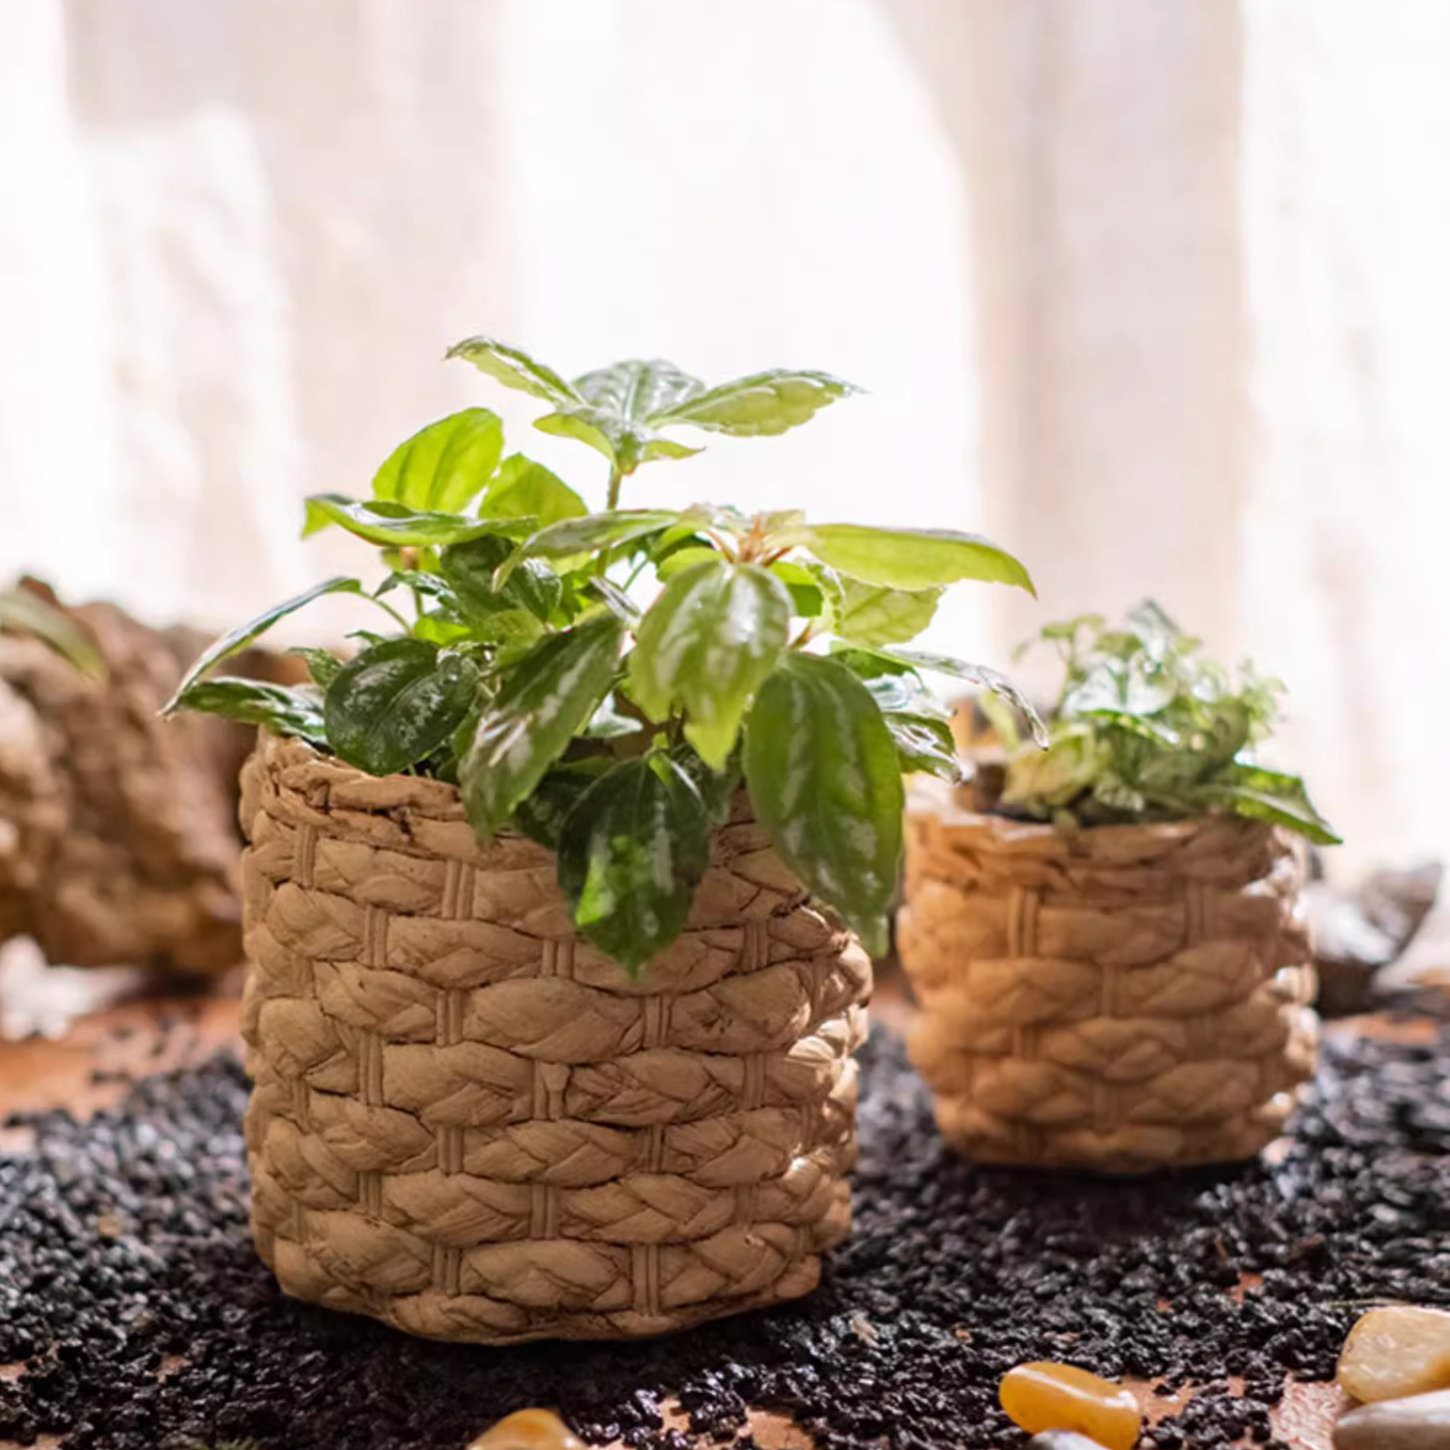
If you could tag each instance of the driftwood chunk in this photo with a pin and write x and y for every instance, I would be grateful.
(118, 836)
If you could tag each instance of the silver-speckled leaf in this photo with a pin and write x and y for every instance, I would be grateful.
(826, 783)
(631, 852)
(708, 642)
(396, 703)
(547, 698)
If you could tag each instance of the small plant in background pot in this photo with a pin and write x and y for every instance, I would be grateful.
(535, 886)
(1111, 954)
(1146, 728)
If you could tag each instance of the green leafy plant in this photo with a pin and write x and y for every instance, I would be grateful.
(606, 681)
(1146, 728)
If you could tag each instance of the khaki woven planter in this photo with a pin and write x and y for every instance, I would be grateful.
(1123, 999)
(469, 1123)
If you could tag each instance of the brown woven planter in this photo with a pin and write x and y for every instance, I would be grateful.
(1126, 998)
(469, 1123)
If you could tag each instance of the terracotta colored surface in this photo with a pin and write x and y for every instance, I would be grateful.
(86, 1070)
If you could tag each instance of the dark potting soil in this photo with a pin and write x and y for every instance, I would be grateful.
(129, 1287)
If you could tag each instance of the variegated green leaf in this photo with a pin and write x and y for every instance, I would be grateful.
(396, 703)
(574, 539)
(546, 699)
(631, 853)
(983, 675)
(255, 702)
(826, 784)
(236, 640)
(707, 643)
(919, 723)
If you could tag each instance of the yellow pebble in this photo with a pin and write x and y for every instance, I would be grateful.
(529, 1430)
(1046, 1396)
(1394, 1352)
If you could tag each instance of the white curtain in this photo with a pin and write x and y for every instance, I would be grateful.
(1151, 290)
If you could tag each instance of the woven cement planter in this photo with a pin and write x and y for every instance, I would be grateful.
(470, 1124)
(1123, 999)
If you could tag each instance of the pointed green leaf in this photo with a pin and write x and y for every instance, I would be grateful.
(876, 614)
(911, 558)
(236, 640)
(574, 538)
(926, 745)
(679, 560)
(919, 722)
(322, 664)
(541, 816)
(382, 521)
(807, 598)
(546, 699)
(763, 403)
(825, 782)
(514, 368)
(1269, 795)
(471, 569)
(444, 465)
(524, 489)
(583, 424)
(615, 599)
(708, 642)
(396, 703)
(717, 787)
(631, 853)
(983, 675)
(617, 404)
(253, 702)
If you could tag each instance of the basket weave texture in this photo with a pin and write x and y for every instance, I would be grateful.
(469, 1123)
(1123, 999)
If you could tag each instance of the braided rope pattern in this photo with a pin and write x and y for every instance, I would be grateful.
(1126, 998)
(467, 1122)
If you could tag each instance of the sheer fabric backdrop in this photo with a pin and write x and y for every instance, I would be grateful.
(1151, 290)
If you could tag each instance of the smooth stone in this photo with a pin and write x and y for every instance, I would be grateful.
(1062, 1440)
(1047, 1396)
(529, 1430)
(1421, 1422)
(1394, 1352)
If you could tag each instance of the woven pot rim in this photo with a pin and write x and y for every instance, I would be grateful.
(936, 800)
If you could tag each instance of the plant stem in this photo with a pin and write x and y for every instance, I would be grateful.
(384, 605)
(616, 478)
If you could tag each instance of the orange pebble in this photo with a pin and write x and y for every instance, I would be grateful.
(1045, 1396)
(529, 1430)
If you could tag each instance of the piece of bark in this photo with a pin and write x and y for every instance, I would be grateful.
(118, 834)
(1358, 934)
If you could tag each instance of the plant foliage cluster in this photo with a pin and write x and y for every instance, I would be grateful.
(516, 659)
(1146, 728)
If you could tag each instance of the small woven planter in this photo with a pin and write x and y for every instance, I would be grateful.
(1123, 999)
(472, 1125)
